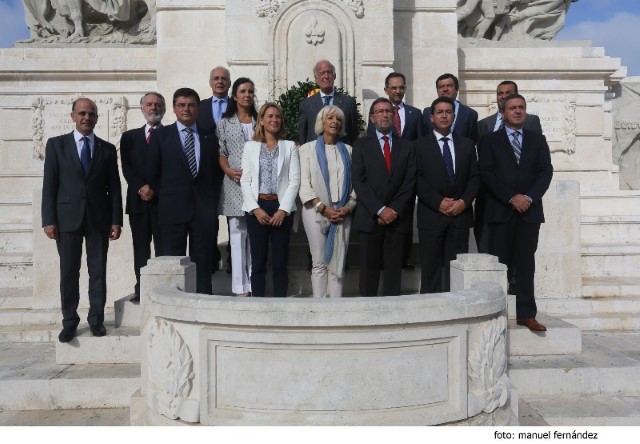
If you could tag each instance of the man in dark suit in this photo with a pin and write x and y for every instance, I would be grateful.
(141, 204)
(183, 169)
(447, 182)
(81, 199)
(324, 74)
(383, 175)
(211, 111)
(486, 126)
(407, 123)
(516, 170)
(465, 123)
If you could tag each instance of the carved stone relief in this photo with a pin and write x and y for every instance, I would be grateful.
(50, 117)
(171, 373)
(269, 8)
(558, 119)
(314, 33)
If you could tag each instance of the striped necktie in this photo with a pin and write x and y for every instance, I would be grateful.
(515, 143)
(190, 151)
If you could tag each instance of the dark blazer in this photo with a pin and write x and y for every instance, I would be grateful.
(181, 198)
(412, 124)
(205, 117)
(433, 184)
(503, 177)
(466, 123)
(133, 154)
(311, 106)
(486, 125)
(67, 195)
(375, 187)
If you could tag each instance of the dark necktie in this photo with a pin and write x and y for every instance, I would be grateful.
(149, 134)
(219, 110)
(327, 100)
(190, 151)
(448, 160)
(396, 120)
(515, 143)
(386, 149)
(85, 155)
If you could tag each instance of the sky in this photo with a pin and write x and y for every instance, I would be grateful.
(612, 24)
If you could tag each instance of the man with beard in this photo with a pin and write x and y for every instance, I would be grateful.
(142, 205)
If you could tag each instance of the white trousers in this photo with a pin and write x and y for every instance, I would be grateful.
(240, 255)
(324, 282)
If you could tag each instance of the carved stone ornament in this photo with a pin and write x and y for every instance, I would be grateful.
(568, 144)
(314, 33)
(170, 373)
(118, 113)
(487, 365)
(269, 8)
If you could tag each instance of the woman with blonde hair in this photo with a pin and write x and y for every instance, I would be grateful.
(328, 200)
(270, 182)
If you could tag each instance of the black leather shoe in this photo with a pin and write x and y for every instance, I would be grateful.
(67, 334)
(511, 289)
(98, 330)
(408, 266)
(136, 298)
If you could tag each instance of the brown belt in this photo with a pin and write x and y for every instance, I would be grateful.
(268, 196)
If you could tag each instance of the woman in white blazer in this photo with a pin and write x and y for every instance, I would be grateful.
(270, 182)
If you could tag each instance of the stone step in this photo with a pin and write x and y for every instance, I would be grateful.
(28, 316)
(15, 184)
(29, 333)
(21, 297)
(588, 411)
(560, 338)
(119, 346)
(16, 211)
(74, 417)
(609, 365)
(16, 270)
(609, 229)
(16, 238)
(605, 322)
(607, 260)
(610, 203)
(31, 380)
(617, 286)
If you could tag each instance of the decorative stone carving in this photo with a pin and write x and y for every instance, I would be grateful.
(91, 21)
(171, 375)
(314, 33)
(269, 8)
(512, 20)
(37, 128)
(558, 119)
(489, 384)
(626, 132)
(119, 118)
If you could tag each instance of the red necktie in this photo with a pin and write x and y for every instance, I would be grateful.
(387, 152)
(396, 120)
(149, 134)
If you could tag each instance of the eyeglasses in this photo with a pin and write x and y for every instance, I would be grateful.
(383, 111)
(186, 105)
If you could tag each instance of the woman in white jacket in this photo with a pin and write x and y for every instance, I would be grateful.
(270, 182)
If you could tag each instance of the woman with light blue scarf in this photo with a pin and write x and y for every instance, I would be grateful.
(328, 201)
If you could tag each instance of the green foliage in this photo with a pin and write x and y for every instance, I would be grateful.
(289, 101)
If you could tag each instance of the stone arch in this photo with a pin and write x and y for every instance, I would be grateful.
(295, 51)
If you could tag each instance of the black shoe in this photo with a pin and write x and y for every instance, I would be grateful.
(228, 267)
(98, 330)
(408, 266)
(511, 289)
(67, 334)
(136, 298)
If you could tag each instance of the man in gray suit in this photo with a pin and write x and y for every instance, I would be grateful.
(487, 126)
(81, 200)
(324, 74)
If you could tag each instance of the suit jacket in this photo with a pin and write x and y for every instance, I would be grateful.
(376, 187)
(503, 177)
(182, 198)
(486, 125)
(288, 175)
(311, 106)
(205, 120)
(412, 124)
(67, 195)
(133, 153)
(465, 125)
(433, 184)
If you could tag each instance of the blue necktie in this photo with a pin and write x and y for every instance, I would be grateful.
(448, 160)
(219, 110)
(515, 143)
(85, 155)
(327, 100)
(190, 151)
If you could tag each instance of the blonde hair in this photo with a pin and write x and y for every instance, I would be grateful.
(259, 135)
(325, 112)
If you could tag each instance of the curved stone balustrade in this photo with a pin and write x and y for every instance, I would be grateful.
(406, 360)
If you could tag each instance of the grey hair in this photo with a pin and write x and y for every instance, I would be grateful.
(324, 112)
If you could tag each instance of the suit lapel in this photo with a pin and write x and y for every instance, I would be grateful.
(178, 146)
(72, 151)
(281, 155)
(509, 148)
